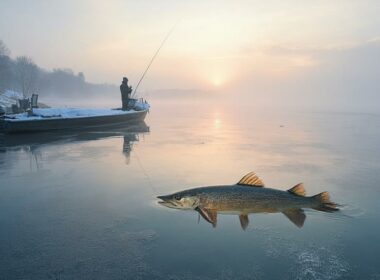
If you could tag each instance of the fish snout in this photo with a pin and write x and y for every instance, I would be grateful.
(164, 197)
(165, 200)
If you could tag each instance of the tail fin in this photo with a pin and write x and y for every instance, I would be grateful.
(324, 203)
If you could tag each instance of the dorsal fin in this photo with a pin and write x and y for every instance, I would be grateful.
(251, 179)
(298, 190)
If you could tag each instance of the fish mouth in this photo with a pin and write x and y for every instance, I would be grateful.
(166, 201)
(164, 198)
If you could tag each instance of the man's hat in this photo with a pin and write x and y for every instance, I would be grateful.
(125, 79)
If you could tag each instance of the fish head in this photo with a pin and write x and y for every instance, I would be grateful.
(185, 200)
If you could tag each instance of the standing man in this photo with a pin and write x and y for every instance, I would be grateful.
(125, 93)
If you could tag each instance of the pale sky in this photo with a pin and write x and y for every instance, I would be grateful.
(216, 44)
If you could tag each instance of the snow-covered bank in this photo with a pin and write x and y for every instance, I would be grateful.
(9, 98)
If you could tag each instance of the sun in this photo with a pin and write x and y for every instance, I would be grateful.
(216, 75)
(217, 81)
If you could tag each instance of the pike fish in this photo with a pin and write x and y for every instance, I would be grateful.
(248, 196)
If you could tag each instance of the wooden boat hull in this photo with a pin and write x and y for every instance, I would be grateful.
(12, 126)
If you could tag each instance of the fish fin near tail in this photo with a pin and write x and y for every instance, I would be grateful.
(296, 216)
(298, 190)
(325, 204)
(244, 221)
(208, 214)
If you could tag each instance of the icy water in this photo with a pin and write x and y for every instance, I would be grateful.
(83, 205)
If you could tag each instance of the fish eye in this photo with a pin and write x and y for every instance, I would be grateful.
(177, 197)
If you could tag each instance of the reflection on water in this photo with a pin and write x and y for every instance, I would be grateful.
(71, 208)
(34, 143)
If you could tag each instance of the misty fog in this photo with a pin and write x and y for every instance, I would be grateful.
(305, 57)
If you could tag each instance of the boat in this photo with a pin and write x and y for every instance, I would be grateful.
(46, 119)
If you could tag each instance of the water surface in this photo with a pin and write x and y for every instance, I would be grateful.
(83, 205)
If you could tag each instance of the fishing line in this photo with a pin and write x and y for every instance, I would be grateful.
(144, 171)
(134, 93)
(154, 56)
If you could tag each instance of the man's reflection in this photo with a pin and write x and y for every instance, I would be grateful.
(129, 139)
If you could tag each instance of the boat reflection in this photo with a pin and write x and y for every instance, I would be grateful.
(34, 143)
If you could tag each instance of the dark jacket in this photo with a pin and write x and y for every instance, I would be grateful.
(125, 94)
(125, 90)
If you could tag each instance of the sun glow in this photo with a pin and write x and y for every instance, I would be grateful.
(217, 81)
(218, 77)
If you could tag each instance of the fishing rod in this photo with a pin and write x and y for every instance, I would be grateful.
(154, 56)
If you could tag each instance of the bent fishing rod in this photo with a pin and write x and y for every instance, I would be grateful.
(154, 56)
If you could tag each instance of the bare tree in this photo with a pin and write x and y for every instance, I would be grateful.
(4, 51)
(26, 74)
(5, 67)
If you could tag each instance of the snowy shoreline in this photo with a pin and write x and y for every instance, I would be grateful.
(9, 98)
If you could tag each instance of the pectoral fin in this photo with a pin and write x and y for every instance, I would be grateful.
(296, 216)
(244, 221)
(207, 214)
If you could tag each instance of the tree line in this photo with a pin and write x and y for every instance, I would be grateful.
(23, 75)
